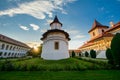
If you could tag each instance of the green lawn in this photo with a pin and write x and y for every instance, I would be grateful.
(38, 64)
(61, 75)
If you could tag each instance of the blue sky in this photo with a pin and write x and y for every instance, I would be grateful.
(27, 20)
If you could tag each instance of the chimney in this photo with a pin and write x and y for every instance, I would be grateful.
(111, 24)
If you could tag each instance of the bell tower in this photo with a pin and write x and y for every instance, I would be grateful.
(55, 42)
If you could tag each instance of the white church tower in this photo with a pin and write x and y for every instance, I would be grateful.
(55, 42)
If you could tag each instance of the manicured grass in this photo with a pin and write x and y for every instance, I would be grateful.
(61, 75)
(38, 64)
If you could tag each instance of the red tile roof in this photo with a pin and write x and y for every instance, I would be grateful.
(75, 50)
(105, 34)
(86, 44)
(90, 42)
(114, 27)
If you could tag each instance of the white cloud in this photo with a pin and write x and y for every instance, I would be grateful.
(34, 26)
(75, 44)
(48, 21)
(24, 27)
(72, 31)
(43, 30)
(32, 44)
(37, 8)
(78, 37)
(13, 0)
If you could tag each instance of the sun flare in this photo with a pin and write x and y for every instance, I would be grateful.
(35, 48)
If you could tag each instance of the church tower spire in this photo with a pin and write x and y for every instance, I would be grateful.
(56, 24)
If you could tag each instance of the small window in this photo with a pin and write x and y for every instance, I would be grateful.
(9, 54)
(56, 45)
(93, 34)
(0, 53)
(3, 45)
(102, 30)
(12, 54)
(10, 47)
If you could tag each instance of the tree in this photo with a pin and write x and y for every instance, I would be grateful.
(115, 49)
(93, 53)
(35, 51)
(109, 56)
(73, 54)
(86, 54)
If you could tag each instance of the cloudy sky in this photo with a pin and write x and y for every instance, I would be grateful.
(27, 20)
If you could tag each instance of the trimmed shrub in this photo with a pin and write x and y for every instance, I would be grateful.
(102, 64)
(37, 64)
(73, 54)
(93, 53)
(7, 66)
(86, 54)
(109, 56)
(80, 55)
(115, 49)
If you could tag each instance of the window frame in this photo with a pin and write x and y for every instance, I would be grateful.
(56, 45)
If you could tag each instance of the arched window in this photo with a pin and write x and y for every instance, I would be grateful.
(7, 47)
(9, 54)
(10, 47)
(13, 48)
(5, 53)
(56, 45)
(12, 54)
(3, 46)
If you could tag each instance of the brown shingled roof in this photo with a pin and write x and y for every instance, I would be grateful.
(12, 41)
(97, 24)
(55, 30)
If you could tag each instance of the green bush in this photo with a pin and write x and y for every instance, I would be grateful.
(80, 55)
(7, 66)
(93, 53)
(86, 54)
(109, 56)
(73, 54)
(115, 48)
